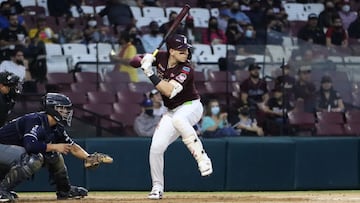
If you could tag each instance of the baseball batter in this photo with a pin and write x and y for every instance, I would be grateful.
(175, 81)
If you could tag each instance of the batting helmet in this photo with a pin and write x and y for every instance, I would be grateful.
(178, 42)
(59, 107)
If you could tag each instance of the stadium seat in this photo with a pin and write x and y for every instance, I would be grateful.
(302, 122)
(55, 60)
(141, 87)
(153, 12)
(241, 75)
(199, 76)
(87, 77)
(313, 8)
(78, 100)
(130, 97)
(353, 116)
(136, 11)
(329, 129)
(98, 97)
(83, 87)
(132, 109)
(103, 48)
(276, 52)
(352, 129)
(59, 81)
(127, 127)
(202, 49)
(25, 3)
(43, 3)
(88, 10)
(330, 117)
(113, 87)
(220, 76)
(117, 77)
(168, 10)
(201, 17)
(96, 112)
(221, 50)
(74, 48)
(295, 11)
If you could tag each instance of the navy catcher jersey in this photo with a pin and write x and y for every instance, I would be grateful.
(183, 73)
(35, 125)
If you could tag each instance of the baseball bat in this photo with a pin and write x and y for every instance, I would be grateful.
(173, 27)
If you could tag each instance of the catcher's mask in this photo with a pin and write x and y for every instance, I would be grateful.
(59, 107)
(13, 82)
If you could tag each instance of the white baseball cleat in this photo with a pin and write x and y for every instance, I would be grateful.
(155, 194)
(205, 167)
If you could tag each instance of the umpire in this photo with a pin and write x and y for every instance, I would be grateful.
(9, 89)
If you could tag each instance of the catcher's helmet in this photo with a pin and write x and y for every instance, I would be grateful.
(58, 106)
(13, 81)
(178, 42)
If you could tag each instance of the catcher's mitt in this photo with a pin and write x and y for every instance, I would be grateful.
(95, 159)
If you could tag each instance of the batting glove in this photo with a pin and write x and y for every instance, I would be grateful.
(146, 64)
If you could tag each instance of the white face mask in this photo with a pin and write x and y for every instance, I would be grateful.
(346, 8)
(248, 33)
(215, 110)
(92, 23)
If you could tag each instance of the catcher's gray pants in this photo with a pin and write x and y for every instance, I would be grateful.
(10, 154)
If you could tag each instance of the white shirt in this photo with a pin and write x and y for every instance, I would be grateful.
(150, 42)
(12, 67)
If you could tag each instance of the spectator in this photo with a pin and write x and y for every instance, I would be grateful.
(234, 33)
(286, 81)
(165, 26)
(158, 104)
(5, 12)
(193, 34)
(311, 32)
(354, 27)
(70, 33)
(135, 36)
(117, 13)
(235, 12)
(327, 15)
(329, 99)
(93, 33)
(17, 65)
(61, 8)
(254, 93)
(257, 14)
(246, 125)
(15, 6)
(215, 123)
(305, 89)
(213, 35)
(275, 30)
(146, 122)
(42, 32)
(14, 35)
(152, 39)
(336, 35)
(346, 14)
(127, 52)
(276, 109)
(249, 42)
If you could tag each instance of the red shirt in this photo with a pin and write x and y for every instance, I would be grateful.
(183, 73)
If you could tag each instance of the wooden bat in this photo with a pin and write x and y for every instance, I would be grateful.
(184, 11)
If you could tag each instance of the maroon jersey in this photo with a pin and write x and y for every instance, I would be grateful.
(183, 73)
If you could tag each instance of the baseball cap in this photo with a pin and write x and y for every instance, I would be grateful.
(178, 42)
(326, 79)
(312, 16)
(254, 66)
(9, 79)
(147, 103)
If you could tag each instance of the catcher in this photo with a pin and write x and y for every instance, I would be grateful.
(39, 139)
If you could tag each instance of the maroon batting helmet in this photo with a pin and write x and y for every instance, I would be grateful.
(177, 42)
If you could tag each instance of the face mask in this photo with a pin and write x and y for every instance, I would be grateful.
(215, 110)
(245, 112)
(19, 62)
(149, 112)
(154, 32)
(346, 8)
(92, 23)
(248, 33)
(213, 25)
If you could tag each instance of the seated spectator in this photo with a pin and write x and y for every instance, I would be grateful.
(70, 33)
(146, 122)
(286, 81)
(327, 15)
(191, 32)
(233, 32)
(311, 32)
(247, 125)
(158, 104)
(213, 35)
(249, 43)
(152, 39)
(354, 27)
(329, 99)
(118, 13)
(235, 12)
(305, 89)
(15, 6)
(165, 26)
(14, 35)
(17, 65)
(5, 11)
(275, 30)
(127, 52)
(276, 109)
(42, 33)
(336, 35)
(94, 33)
(215, 123)
(346, 14)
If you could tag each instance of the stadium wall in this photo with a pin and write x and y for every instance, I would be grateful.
(240, 164)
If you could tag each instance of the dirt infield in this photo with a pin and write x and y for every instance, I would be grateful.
(202, 197)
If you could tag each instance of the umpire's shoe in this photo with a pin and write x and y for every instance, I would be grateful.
(155, 194)
(75, 192)
(6, 196)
